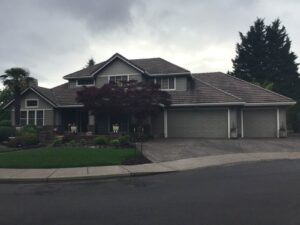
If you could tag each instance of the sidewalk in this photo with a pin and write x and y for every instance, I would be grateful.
(31, 175)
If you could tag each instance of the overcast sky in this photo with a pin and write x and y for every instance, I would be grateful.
(52, 38)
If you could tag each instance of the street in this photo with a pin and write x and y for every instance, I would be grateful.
(252, 193)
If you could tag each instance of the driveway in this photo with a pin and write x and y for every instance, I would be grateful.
(161, 150)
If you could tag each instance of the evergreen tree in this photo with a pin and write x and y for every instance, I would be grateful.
(90, 63)
(250, 62)
(264, 57)
(282, 68)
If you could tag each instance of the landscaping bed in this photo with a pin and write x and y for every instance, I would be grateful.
(62, 157)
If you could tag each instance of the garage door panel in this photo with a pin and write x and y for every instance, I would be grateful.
(198, 123)
(259, 123)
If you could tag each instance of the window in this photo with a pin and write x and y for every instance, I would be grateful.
(166, 83)
(85, 82)
(118, 79)
(32, 117)
(31, 103)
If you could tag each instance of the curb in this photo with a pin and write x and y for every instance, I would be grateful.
(114, 172)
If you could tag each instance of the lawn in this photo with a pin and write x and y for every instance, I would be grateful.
(64, 157)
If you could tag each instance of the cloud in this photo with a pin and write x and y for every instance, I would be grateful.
(56, 37)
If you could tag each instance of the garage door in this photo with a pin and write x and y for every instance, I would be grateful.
(260, 123)
(210, 123)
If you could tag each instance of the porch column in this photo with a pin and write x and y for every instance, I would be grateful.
(278, 121)
(228, 122)
(242, 123)
(165, 123)
(91, 125)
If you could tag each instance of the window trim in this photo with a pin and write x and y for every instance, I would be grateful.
(122, 75)
(32, 99)
(168, 89)
(35, 115)
(86, 85)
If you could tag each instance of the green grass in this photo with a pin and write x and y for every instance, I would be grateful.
(64, 157)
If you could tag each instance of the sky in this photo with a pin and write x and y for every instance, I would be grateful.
(52, 38)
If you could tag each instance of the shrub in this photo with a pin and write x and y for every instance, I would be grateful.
(124, 140)
(72, 143)
(5, 123)
(28, 129)
(6, 132)
(24, 140)
(101, 140)
(67, 138)
(56, 143)
(115, 142)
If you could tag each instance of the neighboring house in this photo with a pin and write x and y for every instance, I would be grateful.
(204, 105)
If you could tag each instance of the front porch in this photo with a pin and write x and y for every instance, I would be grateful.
(99, 124)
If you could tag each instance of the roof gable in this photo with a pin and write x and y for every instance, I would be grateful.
(111, 60)
(150, 66)
(45, 93)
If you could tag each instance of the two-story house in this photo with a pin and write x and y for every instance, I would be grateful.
(205, 105)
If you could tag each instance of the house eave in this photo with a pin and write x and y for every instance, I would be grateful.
(271, 104)
(168, 74)
(209, 104)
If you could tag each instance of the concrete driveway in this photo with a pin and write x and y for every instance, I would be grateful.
(173, 149)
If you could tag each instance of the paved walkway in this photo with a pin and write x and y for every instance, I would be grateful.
(170, 149)
(15, 175)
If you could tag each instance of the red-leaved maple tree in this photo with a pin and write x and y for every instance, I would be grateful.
(139, 99)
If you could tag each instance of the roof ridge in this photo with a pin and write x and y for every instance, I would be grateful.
(225, 92)
(267, 90)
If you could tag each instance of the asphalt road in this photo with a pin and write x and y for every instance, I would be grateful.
(257, 193)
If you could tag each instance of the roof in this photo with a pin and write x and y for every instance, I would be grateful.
(206, 89)
(247, 92)
(150, 67)
(65, 95)
(203, 93)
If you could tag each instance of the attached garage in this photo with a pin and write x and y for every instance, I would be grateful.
(200, 123)
(260, 123)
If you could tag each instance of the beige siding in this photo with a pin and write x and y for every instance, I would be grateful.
(282, 118)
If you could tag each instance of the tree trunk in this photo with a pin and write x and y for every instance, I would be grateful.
(17, 107)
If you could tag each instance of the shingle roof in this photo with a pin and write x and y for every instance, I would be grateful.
(202, 93)
(47, 93)
(154, 66)
(151, 67)
(208, 88)
(65, 96)
(244, 90)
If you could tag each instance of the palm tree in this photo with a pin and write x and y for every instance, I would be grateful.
(17, 80)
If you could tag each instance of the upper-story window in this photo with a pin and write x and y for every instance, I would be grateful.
(85, 82)
(166, 83)
(118, 79)
(31, 103)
